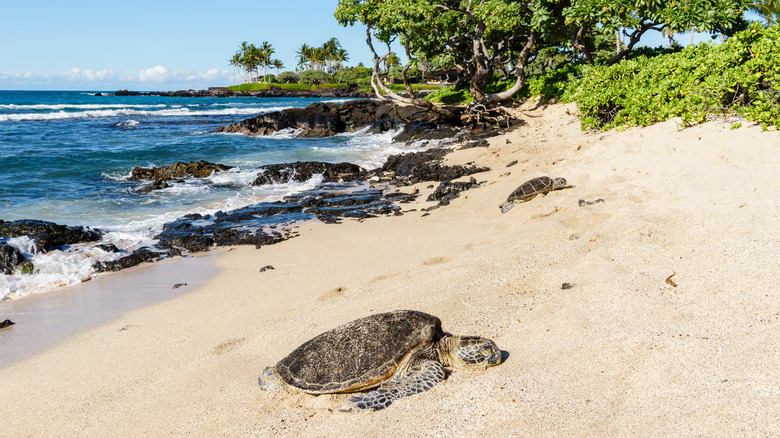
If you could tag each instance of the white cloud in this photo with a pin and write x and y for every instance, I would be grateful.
(157, 77)
(157, 73)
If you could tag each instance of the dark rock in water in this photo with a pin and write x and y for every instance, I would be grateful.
(10, 259)
(48, 235)
(328, 119)
(7, 323)
(195, 169)
(424, 131)
(160, 175)
(157, 185)
(256, 224)
(138, 256)
(178, 285)
(244, 226)
(447, 190)
(108, 247)
(301, 171)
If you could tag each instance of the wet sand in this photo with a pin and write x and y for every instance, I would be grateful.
(44, 320)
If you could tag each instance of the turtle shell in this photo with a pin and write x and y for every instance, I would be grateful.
(358, 355)
(529, 189)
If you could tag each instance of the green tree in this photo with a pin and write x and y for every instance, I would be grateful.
(277, 64)
(235, 61)
(769, 9)
(304, 57)
(636, 17)
(287, 77)
(391, 60)
(480, 37)
(313, 77)
(264, 53)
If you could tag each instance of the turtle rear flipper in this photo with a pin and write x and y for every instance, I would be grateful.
(420, 377)
(506, 206)
(270, 380)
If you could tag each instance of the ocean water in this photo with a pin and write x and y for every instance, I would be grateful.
(65, 157)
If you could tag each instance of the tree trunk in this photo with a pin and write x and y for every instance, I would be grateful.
(575, 41)
(519, 73)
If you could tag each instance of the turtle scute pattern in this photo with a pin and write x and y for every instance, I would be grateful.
(393, 355)
(530, 189)
(376, 344)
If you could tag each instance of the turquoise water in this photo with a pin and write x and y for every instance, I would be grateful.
(65, 157)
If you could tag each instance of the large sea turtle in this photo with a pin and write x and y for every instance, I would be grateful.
(531, 188)
(397, 354)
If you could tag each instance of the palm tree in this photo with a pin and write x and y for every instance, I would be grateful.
(330, 49)
(318, 57)
(341, 57)
(303, 56)
(278, 65)
(391, 61)
(252, 59)
(769, 9)
(264, 52)
(235, 61)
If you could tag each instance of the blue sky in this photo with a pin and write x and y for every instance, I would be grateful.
(161, 45)
(155, 45)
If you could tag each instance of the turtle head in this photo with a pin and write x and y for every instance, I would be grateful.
(560, 183)
(470, 352)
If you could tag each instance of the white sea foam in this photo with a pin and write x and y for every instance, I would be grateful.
(129, 112)
(127, 124)
(53, 270)
(61, 106)
(368, 150)
(285, 133)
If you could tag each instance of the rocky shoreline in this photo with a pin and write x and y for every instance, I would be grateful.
(324, 119)
(345, 92)
(347, 190)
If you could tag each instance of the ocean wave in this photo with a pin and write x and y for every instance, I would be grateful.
(127, 112)
(126, 124)
(74, 264)
(86, 106)
(53, 270)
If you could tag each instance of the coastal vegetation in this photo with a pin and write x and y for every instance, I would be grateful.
(502, 37)
(251, 59)
(582, 51)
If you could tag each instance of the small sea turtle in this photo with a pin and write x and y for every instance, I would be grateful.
(529, 189)
(399, 353)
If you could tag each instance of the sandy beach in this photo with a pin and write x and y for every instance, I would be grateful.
(671, 326)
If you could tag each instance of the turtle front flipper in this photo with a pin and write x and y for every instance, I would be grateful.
(420, 377)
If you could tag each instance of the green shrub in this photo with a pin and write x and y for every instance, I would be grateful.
(354, 75)
(740, 76)
(412, 74)
(448, 95)
(287, 77)
(313, 77)
(251, 86)
(300, 87)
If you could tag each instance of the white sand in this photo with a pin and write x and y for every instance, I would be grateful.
(622, 353)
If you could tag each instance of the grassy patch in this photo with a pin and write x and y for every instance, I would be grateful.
(263, 86)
